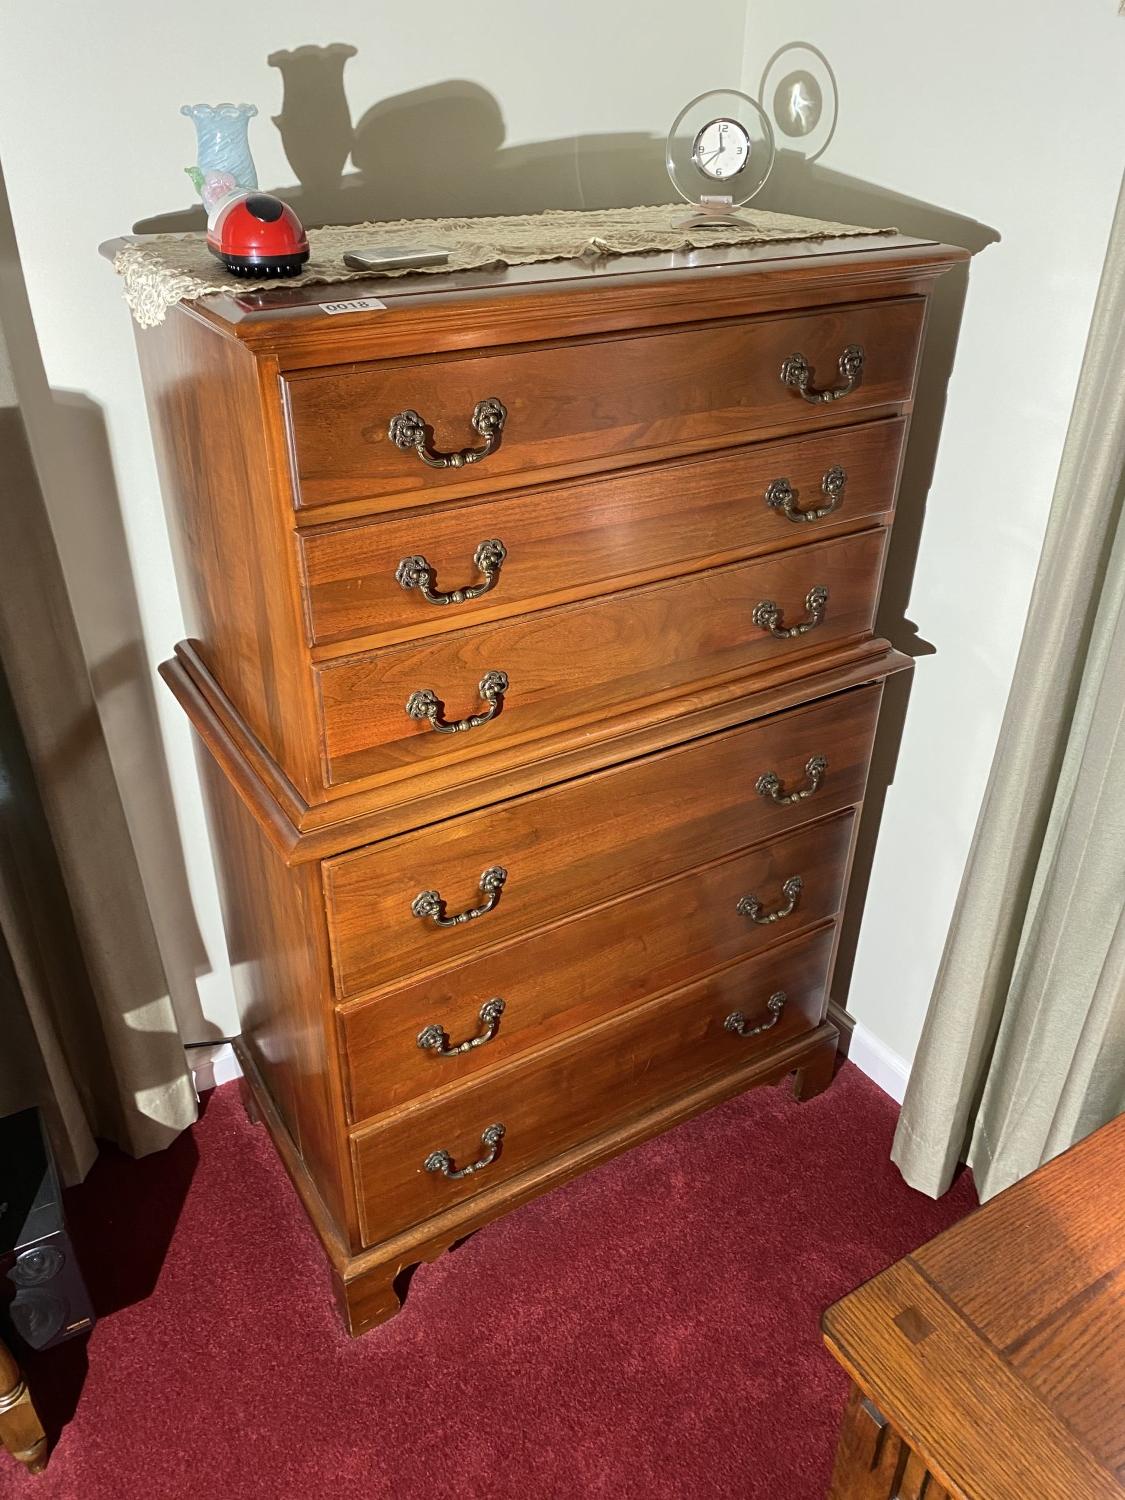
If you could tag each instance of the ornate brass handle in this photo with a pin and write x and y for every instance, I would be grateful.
(416, 573)
(736, 1021)
(436, 1039)
(430, 904)
(425, 704)
(407, 430)
(750, 906)
(768, 783)
(783, 497)
(796, 373)
(441, 1161)
(767, 615)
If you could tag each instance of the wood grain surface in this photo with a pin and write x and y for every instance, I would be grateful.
(589, 841)
(571, 541)
(606, 401)
(564, 977)
(996, 1353)
(580, 1087)
(361, 813)
(212, 409)
(273, 918)
(618, 785)
(817, 852)
(573, 665)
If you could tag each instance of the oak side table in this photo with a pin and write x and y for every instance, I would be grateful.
(990, 1364)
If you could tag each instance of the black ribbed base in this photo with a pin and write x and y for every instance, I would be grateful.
(248, 265)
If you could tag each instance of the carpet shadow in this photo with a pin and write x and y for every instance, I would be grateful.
(121, 1220)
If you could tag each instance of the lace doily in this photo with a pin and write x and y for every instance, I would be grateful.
(164, 269)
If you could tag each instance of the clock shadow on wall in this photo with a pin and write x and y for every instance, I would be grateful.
(456, 129)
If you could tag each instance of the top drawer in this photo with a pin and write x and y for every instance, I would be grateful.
(589, 405)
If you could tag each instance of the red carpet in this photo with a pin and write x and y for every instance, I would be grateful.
(650, 1330)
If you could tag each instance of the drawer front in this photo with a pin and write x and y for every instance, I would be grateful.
(590, 840)
(594, 404)
(584, 1086)
(574, 540)
(581, 971)
(573, 665)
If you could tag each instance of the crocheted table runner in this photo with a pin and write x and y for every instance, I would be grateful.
(164, 269)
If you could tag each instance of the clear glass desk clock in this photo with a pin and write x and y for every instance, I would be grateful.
(720, 152)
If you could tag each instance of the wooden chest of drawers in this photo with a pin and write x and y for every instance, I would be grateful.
(533, 663)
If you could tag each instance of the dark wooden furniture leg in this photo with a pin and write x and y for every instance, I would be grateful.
(21, 1431)
(814, 1076)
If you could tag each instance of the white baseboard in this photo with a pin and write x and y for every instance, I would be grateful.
(882, 1066)
(212, 1066)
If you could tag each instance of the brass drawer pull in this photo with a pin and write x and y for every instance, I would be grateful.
(441, 1161)
(407, 430)
(768, 783)
(750, 906)
(430, 904)
(425, 704)
(416, 573)
(783, 497)
(436, 1039)
(796, 373)
(736, 1021)
(767, 615)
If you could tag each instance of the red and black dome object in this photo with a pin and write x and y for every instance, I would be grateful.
(258, 235)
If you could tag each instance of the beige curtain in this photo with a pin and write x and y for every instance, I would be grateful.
(1023, 1050)
(86, 1026)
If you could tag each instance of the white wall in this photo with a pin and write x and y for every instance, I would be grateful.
(1011, 114)
(91, 142)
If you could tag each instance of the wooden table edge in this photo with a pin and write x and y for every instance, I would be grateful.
(975, 1475)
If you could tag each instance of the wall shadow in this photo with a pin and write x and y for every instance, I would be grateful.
(85, 687)
(104, 598)
(800, 187)
(434, 152)
(75, 1024)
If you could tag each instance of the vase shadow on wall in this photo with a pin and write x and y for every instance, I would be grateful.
(434, 152)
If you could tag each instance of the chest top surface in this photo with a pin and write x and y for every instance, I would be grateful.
(558, 299)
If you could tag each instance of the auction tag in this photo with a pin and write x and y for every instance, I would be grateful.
(354, 305)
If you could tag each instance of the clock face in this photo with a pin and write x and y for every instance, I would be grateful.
(722, 149)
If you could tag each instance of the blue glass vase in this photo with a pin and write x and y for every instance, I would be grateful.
(223, 164)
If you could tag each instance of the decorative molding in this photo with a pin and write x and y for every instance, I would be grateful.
(302, 831)
(874, 1058)
(211, 1067)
